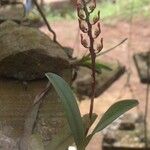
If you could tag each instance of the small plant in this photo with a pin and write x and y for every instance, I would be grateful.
(84, 10)
(78, 129)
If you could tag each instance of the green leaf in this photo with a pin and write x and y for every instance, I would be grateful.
(98, 66)
(88, 139)
(71, 108)
(113, 113)
(65, 138)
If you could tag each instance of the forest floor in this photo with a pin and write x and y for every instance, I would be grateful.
(138, 34)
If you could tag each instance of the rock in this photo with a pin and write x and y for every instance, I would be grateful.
(126, 139)
(16, 101)
(27, 54)
(109, 139)
(126, 126)
(7, 143)
(142, 60)
(128, 122)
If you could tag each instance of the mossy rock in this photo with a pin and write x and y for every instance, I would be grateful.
(13, 12)
(27, 53)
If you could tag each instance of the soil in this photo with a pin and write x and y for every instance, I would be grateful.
(138, 41)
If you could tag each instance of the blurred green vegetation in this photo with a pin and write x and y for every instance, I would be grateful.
(122, 9)
(60, 14)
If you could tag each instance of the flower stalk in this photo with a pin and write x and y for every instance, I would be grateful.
(87, 26)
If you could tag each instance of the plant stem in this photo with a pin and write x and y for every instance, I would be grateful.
(93, 57)
(47, 23)
(45, 20)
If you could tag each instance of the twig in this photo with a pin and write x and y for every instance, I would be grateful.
(47, 24)
(145, 116)
(147, 103)
(45, 20)
(127, 85)
(129, 70)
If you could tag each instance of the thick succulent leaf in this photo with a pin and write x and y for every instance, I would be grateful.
(65, 138)
(70, 107)
(88, 139)
(113, 113)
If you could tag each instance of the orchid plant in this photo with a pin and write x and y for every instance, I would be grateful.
(78, 127)
(77, 130)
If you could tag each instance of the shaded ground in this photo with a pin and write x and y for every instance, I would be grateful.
(138, 41)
